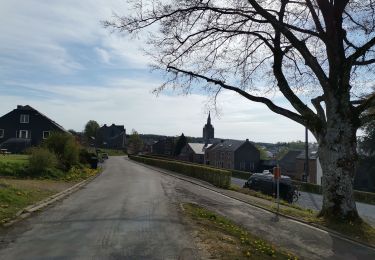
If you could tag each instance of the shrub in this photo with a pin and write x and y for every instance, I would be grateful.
(41, 161)
(65, 148)
(217, 177)
(85, 156)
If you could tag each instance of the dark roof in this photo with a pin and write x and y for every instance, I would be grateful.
(119, 127)
(29, 108)
(227, 145)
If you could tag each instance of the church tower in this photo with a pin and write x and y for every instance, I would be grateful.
(208, 130)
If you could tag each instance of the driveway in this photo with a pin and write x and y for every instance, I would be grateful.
(133, 212)
(315, 201)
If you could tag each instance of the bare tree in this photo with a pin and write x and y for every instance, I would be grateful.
(321, 47)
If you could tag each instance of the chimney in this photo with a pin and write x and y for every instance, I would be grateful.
(247, 140)
(19, 106)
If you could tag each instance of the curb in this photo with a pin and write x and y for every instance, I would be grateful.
(313, 225)
(24, 213)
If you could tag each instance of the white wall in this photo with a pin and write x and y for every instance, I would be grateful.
(319, 172)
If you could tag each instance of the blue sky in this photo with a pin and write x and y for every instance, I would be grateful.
(56, 57)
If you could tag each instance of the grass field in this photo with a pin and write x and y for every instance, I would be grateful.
(222, 239)
(13, 198)
(14, 158)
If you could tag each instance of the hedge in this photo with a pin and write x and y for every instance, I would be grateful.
(235, 173)
(359, 196)
(217, 177)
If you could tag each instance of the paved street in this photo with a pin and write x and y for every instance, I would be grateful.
(132, 212)
(123, 214)
(315, 201)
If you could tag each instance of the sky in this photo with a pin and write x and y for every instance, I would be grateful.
(56, 57)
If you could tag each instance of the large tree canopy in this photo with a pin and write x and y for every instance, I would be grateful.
(320, 48)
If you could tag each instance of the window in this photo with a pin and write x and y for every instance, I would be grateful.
(1, 133)
(24, 119)
(46, 134)
(24, 134)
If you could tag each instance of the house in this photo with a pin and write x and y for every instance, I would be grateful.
(194, 152)
(288, 164)
(233, 154)
(315, 169)
(112, 137)
(24, 127)
(164, 147)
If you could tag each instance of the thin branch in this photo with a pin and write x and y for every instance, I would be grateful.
(279, 110)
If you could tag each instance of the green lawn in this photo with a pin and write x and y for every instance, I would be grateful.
(13, 199)
(14, 158)
(223, 239)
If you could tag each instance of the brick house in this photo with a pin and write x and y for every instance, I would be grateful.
(233, 154)
(194, 152)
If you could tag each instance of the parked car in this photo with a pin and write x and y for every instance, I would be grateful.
(265, 183)
(104, 155)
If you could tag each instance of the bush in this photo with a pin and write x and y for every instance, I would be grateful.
(85, 156)
(41, 161)
(217, 177)
(65, 148)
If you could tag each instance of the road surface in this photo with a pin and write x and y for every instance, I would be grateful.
(133, 212)
(315, 201)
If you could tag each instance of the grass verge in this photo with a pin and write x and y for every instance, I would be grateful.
(13, 199)
(225, 240)
(15, 158)
(358, 230)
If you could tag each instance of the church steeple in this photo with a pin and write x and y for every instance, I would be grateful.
(208, 130)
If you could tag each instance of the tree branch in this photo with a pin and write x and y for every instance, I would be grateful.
(310, 60)
(361, 51)
(279, 110)
(365, 104)
(319, 109)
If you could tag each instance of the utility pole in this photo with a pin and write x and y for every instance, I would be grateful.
(307, 154)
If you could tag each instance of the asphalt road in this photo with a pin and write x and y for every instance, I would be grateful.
(133, 212)
(315, 202)
(123, 214)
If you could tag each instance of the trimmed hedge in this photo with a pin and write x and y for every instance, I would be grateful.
(365, 197)
(235, 173)
(219, 178)
(308, 187)
(359, 196)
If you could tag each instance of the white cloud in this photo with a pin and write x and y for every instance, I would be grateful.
(131, 103)
(39, 34)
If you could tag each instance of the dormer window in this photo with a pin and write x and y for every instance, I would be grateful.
(24, 119)
(1, 133)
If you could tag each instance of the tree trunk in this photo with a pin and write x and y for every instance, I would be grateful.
(338, 157)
